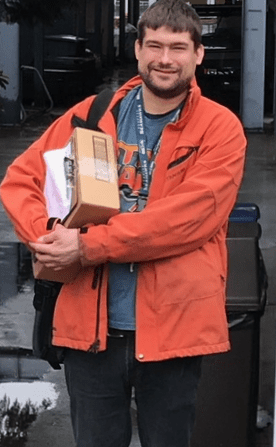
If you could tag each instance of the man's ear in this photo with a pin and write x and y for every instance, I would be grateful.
(200, 52)
(137, 49)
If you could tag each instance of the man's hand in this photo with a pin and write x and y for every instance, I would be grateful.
(58, 249)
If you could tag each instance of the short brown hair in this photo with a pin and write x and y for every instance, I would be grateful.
(175, 14)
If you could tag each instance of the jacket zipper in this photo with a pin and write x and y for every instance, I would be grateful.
(97, 282)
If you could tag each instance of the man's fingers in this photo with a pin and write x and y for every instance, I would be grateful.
(34, 246)
(47, 238)
(52, 266)
(41, 248)
(49, 261)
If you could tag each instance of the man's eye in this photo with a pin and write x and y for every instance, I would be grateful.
(154, 46)
(179, 48)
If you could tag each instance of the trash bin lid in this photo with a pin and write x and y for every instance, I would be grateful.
(245, 212)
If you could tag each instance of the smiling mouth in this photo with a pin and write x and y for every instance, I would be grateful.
(163, 68)
(164, 71)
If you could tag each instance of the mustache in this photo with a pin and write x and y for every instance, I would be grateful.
(160, 66)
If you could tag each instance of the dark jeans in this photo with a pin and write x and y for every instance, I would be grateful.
(100, 389)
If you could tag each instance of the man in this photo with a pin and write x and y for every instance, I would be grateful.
(157, 304)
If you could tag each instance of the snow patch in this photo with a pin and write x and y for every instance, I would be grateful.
(34, 392)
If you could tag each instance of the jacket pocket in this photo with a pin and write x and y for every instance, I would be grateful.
(182, 159)
(191, 276)
(195, 324)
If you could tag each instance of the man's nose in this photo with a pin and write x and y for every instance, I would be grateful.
(165, 56)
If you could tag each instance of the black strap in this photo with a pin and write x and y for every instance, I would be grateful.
(96, 111)
(52, 222)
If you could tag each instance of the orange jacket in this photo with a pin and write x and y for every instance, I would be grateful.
(178, 239)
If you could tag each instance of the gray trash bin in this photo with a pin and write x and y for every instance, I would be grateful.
(228, 392)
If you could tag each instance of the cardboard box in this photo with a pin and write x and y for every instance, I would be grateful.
(93, 175)
(91, 178)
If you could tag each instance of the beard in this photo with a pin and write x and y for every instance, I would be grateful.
(179, 87)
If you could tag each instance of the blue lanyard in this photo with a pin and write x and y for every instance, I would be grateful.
(147, 166)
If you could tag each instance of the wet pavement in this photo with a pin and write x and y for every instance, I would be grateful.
(52, 427)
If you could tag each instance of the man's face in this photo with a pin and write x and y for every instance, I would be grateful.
(167, 61)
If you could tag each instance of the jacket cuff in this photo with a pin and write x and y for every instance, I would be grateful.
(92, 251)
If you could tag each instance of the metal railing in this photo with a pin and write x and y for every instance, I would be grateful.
(29, 67)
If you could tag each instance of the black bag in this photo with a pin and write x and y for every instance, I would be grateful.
(46, 292)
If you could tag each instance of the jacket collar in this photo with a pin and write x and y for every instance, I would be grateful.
(193, 97)
(191, 102)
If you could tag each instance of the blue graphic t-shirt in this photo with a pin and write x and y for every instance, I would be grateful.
(123, 277)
